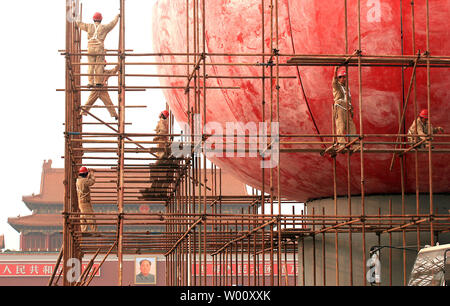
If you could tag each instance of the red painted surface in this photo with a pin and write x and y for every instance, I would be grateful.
(313, 27)
(288, 268)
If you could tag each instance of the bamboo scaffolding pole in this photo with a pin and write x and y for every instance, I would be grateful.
(58, 261)
(86, 271)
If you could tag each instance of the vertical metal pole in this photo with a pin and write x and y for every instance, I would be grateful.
(430, 161)
(72, 125)
(314, 245)
(303, 251)
(324, 265)
(390, 244)
(349, 194)
(248, 251)
(204, 123)
(263, 106)
(68, 173)
(277, 82)
(336, 241)
(242, 248)
(362, 145)
(121, 161)
(416, 157)
(402, 179)
(295, 249)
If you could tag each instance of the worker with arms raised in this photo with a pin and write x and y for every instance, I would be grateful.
(96, 37)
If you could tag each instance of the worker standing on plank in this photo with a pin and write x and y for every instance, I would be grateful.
(102, 94)
(343, 109)
(162, 129)
(420, 127)
(162, 172)
(96, 38)
(84, 182)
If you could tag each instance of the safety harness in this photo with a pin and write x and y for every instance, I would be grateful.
(95, 36)
(344, 100)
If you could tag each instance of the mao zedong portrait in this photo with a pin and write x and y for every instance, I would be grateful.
(146, 269)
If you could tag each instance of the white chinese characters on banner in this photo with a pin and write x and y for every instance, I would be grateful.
(32, 269)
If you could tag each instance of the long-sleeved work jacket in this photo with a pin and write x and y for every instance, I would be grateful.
(97, 32)
(162, 129)
(96, 37)
(84, 188)
(342, 112)
(422, 129)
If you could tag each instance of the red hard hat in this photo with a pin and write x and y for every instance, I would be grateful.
(97, 17)
(341, 73)
(83, 170)
(165, 113)
(424, 113)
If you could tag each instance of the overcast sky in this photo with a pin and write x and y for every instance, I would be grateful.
(32, 69)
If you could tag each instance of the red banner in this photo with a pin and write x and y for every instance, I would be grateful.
(236, 269)
(33, 269)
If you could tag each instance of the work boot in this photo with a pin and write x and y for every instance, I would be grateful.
(90, 85)
(99, 85)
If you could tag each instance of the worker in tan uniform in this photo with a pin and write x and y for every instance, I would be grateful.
(165, 173)
(96, 37)
(102, 95)
(162, 129)
(343, 109)
(160, 172)
(84, 182)
(420, 127)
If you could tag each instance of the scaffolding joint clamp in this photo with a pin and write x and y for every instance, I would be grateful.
(72, 133)
(276, 52)
(268, 64)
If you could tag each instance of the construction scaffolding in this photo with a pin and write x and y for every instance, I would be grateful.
(193, 230)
